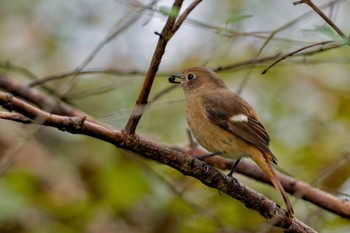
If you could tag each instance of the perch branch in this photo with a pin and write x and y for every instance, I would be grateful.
(332, 204)
(178, 160)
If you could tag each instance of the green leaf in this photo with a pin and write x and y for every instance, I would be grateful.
(172, 12)
(236, 18)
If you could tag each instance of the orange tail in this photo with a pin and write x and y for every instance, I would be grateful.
(264, 162)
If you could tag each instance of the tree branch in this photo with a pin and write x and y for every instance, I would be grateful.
(313, 195)
(180, 161)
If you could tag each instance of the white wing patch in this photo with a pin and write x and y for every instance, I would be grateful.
(239, 117)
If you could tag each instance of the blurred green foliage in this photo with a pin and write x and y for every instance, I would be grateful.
(69, 183)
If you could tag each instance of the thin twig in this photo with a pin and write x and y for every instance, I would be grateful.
(111, 71)
(19, 69)
(245, 63)
(295, 52)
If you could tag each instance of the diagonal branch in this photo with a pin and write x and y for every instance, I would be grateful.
(167, 33)
(313, 195)
(180, 161)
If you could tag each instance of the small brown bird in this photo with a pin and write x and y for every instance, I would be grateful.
(224, 123)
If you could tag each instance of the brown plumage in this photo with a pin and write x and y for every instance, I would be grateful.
(221, 121)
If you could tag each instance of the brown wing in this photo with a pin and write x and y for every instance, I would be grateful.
(221, 107)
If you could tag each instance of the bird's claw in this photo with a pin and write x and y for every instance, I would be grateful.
(206, 168)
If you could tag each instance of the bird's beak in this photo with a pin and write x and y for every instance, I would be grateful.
(172, 78)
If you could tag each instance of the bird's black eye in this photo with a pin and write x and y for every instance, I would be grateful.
(190, 77)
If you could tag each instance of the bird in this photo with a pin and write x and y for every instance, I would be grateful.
(225, 124)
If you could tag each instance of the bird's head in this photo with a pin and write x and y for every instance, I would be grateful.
(198, 79)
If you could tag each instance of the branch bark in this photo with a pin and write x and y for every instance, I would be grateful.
(292, 185)
(165, 155)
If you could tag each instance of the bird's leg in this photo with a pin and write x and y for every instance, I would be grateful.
(202, 157)
(233, 168)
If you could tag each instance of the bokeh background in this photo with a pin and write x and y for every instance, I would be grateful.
(57, 182)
